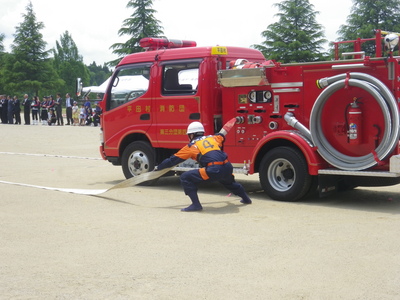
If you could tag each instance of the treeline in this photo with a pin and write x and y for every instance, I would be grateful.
(31, 69)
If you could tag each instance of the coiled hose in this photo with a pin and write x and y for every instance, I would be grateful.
(386, 101)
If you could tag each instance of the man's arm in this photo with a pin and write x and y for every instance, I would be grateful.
(228, 126)
(182, 155)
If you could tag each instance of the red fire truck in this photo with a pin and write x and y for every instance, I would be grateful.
(302, 127)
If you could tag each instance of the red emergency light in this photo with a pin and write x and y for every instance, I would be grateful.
(160, 43)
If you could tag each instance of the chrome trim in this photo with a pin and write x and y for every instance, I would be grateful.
(358, 173)
(287, 84)
(294, 90)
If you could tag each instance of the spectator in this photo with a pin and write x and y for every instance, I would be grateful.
(89, 115)
(60, 120)
(50, 103)
(97, 113)
(26, 103)
(44, 113)
(52, 117)
(10, 110)
(68, 104)
(1, 107)
(17, 110)
(75, 113)
(82, 115)
(3, 113)
(35, 110)
(87, 102)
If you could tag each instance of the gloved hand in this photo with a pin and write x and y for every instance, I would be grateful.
(228, 126)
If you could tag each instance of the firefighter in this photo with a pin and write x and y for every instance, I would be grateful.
(214, 164)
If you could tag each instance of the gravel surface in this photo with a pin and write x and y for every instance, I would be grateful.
(135, 243)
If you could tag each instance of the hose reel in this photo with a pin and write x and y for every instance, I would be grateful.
(387, 103)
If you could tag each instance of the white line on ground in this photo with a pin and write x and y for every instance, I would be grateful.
(51, 155)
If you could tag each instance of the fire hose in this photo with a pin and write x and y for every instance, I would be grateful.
(386, 101)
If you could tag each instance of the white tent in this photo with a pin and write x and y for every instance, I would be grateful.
(101, 89)
(125, 84)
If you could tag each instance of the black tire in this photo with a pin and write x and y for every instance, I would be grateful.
(313, 190)
(284, 174)
(138, 158)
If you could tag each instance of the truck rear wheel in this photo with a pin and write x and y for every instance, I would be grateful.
(137, 158)
(284, 174)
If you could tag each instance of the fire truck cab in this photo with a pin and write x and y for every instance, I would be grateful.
(327, 125)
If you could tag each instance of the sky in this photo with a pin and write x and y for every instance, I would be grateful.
(94, 25)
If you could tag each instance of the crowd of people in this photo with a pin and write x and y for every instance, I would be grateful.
(49, 111)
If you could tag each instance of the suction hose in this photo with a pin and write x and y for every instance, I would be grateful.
(389, 107)
(292, 121)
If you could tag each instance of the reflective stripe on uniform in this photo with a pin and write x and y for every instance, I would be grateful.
(217, 163)
(203, 174)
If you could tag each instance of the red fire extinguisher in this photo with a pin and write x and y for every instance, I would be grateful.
(354, 121)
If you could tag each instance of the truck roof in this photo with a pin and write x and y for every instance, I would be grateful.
(193, 52)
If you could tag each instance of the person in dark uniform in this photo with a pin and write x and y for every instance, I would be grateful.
(52, 117)
(17, 110)
(1, 107)
(35, 110)
(50, 104)
(60, 120)
(4, 105)
(26, 103)
(207, 151)
(97, 113)
(10, 110)
(44, 112)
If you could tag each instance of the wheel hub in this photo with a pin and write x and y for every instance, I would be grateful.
(138, 163)
(281, 175)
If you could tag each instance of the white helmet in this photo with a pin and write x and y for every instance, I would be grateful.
(195, 127)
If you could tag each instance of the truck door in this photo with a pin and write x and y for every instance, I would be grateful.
(178, 103)
(128, 104)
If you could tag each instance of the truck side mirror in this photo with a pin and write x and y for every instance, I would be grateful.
(79, 87)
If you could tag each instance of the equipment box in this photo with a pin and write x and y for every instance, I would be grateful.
(242, 77)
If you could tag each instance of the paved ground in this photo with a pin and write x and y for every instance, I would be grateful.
(134, 243)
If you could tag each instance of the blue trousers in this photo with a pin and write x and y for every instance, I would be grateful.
(220, 173)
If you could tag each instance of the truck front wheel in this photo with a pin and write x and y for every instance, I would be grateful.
(137, 158)
(284, 174)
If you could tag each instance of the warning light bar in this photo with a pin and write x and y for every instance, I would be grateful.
(162, 43)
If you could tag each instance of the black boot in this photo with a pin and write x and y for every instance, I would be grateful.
(195, 206)
(245, 198)
(246, 201)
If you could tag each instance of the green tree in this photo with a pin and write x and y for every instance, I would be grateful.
(69, 63)
(142, 23)
(367, 15)
(98, 74)
(2, 36)
(296, 37)
(28, 69)
(2, 55)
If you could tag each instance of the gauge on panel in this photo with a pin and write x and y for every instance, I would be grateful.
(267, 96)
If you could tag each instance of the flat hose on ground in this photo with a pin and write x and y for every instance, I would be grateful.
(386, 101)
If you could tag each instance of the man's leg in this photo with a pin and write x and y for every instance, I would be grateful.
(228, 181)
(189, 181)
